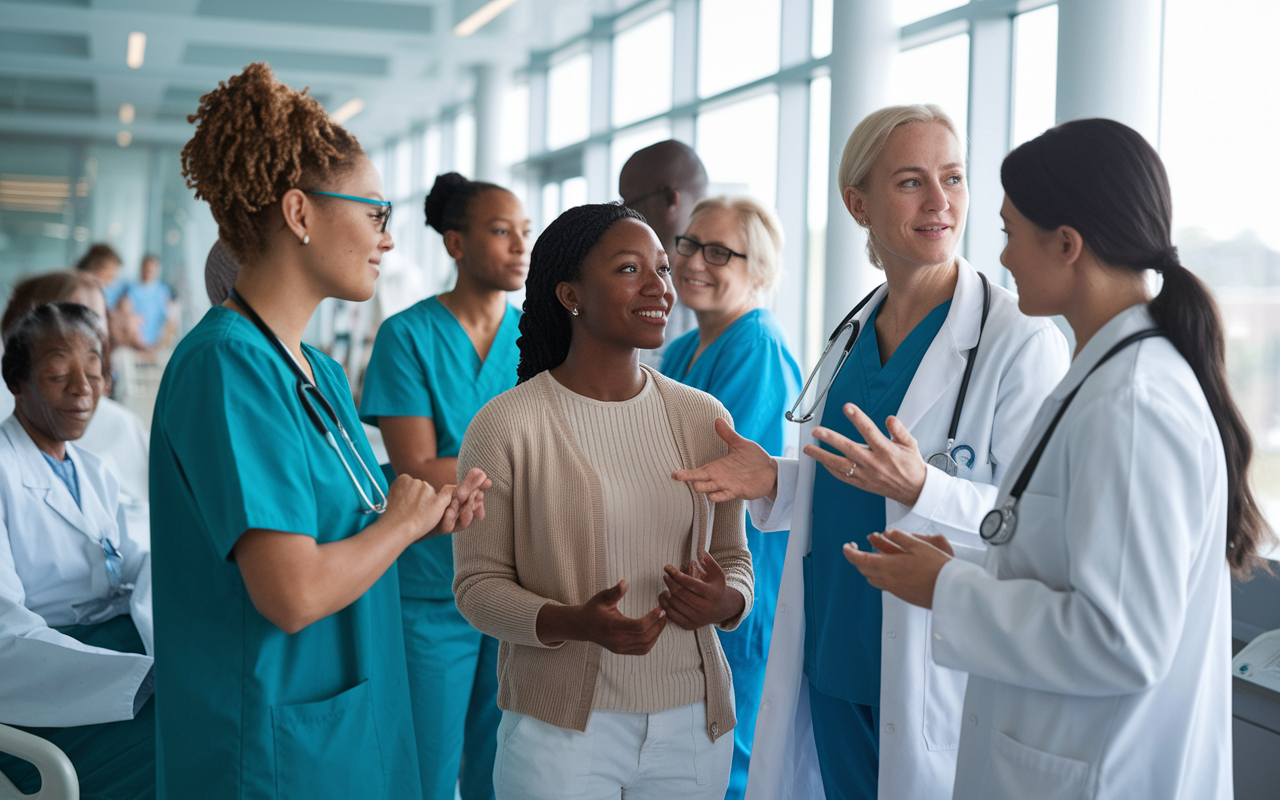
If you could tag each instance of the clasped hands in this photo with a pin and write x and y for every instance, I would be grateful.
(695, 596)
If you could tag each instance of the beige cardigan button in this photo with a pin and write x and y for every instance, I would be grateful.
(715, 729)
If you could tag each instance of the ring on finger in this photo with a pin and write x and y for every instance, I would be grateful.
(851, 469)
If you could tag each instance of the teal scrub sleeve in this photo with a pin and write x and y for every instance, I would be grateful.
(396, 379)
(755, 389)
(238, 441)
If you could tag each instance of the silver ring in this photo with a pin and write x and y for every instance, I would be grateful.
(851, 469)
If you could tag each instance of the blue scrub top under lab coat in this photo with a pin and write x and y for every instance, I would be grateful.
(843, 611)
(248, 710)
(749, 369)
(424, 365)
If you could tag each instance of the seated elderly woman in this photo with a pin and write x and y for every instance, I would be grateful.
(75, 586)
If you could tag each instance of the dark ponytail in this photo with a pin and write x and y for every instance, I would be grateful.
(449, 201)
(557, 257)
(1103, 179)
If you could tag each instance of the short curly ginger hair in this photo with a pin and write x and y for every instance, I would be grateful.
(256, 139)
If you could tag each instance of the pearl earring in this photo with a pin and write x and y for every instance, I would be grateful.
(306, 238)
(575, 311)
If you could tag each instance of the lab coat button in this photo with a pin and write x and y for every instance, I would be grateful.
(767, 705)
(888, 728)
(893, 634)
(784, 608)
(938, 636)
(973, 720)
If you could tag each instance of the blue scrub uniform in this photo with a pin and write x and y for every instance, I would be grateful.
(842, 611)
(424, 365)
(249, 711)
(113, 760)
(749, 369)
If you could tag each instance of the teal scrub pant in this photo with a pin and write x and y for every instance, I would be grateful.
(847, 736)
(453, 686)
(113, 760)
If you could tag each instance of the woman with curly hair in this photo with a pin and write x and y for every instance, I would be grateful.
(433, 366)
(277, 613)
(590, 547)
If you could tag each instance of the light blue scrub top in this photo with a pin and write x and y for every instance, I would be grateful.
(424, 365)
(248, 710)
(750, 370)
(842, 611)
(151, 303)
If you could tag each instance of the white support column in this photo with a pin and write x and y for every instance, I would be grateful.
(865, 40)
(684, 88)
(1109, 61)
(538, 64)
(595, 159)
(990, 59)
(793, 171)
(491, 85)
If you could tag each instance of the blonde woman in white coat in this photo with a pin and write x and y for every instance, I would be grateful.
(853, 706)
(1098, 635)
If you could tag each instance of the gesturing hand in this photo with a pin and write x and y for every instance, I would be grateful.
(698, 595)
(601, 622)
(466, 503)
(415, 505)
(747, 473)
(906, 566)
(891, 468)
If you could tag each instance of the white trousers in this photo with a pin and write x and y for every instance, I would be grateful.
(661, 756)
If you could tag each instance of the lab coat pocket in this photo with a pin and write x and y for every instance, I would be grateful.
(1017, 770)
(328, 748)
(943, 699)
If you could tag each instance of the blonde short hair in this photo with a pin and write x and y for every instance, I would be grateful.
(762, 230)
(867, 140)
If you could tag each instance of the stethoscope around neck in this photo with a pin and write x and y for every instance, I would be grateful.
(307, 389)
(942, 460)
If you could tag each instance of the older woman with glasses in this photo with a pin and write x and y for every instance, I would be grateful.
(726, 262)
(75, 580)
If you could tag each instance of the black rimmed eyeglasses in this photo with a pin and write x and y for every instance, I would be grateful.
(714, 254)
(384, 216)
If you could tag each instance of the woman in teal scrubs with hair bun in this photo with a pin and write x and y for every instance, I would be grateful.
(434, 365)
(277, 607)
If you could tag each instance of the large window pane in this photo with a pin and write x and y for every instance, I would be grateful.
(402, 186)
(1218, 129)
(739, 146)
(738, 42)
(821, 39)
(821, 179)
(569, 101)
(935, 73)
(430, 156)
(515, 124)
(906, 12)
(1035, 73)
(464, 144)
(629, 141)
(642, 63)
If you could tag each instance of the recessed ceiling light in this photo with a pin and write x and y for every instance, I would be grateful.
(137, 49)
(124, 138)
(126, 114)
(482, 16)
(347, 110)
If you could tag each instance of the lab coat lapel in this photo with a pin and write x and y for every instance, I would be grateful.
(37, 476)
(944, 361)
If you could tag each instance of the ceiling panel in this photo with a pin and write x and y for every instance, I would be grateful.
(21, 93)
(235, 58)
(42, 43)
(400, 17)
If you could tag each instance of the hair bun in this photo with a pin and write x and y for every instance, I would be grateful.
(442, 191)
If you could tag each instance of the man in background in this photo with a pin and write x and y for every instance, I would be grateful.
(149, 299)
(664, 181)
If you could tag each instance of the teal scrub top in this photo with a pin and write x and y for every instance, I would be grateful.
(424, 365)
(843, 611)
(248, 710)
(751, 371)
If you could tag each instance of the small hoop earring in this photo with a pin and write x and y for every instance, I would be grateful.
(306, 238)
(574, 311)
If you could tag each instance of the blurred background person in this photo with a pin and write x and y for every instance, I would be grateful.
(103, 263)
(150, 300)
(76, 639)
(433, 367)
(726, 262)
(664, 182)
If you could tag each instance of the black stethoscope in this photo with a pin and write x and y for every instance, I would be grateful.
(306, 390)
(941, 460)
(999, 525)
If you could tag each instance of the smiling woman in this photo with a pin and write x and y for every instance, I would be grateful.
(589, 548)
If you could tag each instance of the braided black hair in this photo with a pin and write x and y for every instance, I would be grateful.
(449, 201)
(557, 257)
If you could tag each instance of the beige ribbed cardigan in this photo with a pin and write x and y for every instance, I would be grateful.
(542, 541)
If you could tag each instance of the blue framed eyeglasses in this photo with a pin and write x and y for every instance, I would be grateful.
(385, 216)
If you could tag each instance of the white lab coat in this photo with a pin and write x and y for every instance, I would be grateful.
(1099, 638)
(52, 573)
(1020, 361)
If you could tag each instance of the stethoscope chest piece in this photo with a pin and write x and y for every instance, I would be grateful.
(999, 525)
(944, 462)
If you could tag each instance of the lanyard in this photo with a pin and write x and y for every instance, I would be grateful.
(999, 525)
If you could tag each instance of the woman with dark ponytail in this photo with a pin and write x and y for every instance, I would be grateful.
(1098, 637)
(589, 548)
(433, 366)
